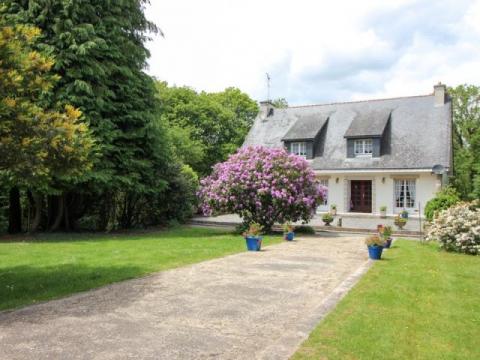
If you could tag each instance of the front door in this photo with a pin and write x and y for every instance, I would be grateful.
(361, 196)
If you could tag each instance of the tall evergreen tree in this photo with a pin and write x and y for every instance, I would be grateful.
(100, 57)
(38, 145)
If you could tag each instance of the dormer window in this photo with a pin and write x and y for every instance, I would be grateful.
(363, 147)
(299, 148)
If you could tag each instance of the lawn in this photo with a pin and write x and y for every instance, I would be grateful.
(55, 265)
(418, 303)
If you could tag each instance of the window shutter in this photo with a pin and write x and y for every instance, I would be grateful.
(309, 149)
(376, 147)
(350, 150)
(287, 146)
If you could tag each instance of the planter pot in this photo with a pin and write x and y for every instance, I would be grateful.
(333, 212)
(404, 215)
(289, 236)
(400, 226)
(254, 243)
(388, 242)
(375, 252)
(383, 214)
(327, 223)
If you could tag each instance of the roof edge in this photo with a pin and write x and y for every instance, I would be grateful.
(359, 101)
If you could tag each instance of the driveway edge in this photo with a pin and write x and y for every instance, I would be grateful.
(288, 344)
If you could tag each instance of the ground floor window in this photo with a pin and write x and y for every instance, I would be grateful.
(324, 205)
(405, 193)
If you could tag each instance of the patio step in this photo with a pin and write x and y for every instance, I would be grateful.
(317, 228)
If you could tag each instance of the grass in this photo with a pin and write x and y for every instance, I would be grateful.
(418, 303)
(54, 265)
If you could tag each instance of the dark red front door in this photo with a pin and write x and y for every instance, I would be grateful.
(361, 196)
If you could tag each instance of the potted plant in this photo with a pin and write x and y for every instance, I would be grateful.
(375, 246)
(333, 209)
(400, 222)
(404, 214)
(288, 233)
(387, 236)
(253, 238)
(383, 212)
(327, 219)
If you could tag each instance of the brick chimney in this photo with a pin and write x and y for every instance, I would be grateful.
(266, 109)
(440, 93)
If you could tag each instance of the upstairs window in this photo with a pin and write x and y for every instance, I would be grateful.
(299, 148)
(363, 147)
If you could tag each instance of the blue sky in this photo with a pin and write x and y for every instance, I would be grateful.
(317, 51)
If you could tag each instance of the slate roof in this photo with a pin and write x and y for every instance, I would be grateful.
(368, 123)
(306, 128)
(420, 132)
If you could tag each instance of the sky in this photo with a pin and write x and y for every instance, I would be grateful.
(316, 51)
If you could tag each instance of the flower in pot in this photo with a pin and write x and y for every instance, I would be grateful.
(253, 238)
(333, 209)
(375, 246)
(327, 219)
(400, 222)
(288, 233)
(383, 211)
(387, 236)
(404, 214)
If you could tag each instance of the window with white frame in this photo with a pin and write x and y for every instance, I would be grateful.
(299, 148)
(324, 204)
(363, 147)
(405, 193)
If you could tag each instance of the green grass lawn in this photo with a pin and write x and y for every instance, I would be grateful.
(54, 265)
(418, 303)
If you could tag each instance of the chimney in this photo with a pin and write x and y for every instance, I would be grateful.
(439, 92)
(266, 109)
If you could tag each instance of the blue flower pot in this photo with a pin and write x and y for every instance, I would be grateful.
(404, 215)
(388, 242)
(254, 243)
(375, 252)
(289, 236)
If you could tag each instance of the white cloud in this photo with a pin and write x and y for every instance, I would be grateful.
(316, 51)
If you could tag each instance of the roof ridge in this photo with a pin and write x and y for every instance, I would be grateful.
(358, 101)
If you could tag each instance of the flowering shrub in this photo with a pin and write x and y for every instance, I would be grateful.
(262, 185)
(458, 228)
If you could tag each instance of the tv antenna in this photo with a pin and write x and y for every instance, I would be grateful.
(268, 86)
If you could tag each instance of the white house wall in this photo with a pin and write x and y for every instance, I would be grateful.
(383, 192)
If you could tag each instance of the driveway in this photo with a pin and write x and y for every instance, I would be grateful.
(253, 305)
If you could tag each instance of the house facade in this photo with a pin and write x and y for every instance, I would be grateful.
(394, 153)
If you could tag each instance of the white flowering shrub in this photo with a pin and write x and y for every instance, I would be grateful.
(458, 228)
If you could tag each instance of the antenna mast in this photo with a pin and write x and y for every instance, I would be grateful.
(268, 86)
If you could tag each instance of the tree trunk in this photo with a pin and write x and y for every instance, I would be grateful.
(38, 202)
(66, 218)
(14, 212)
(60, 213)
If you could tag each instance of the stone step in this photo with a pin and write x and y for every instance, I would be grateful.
(317, 228)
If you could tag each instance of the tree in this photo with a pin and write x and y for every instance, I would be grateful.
(38, 146)
(100, 56)
(262, 185)
(280, 103)
(216, 123)
(466, 139)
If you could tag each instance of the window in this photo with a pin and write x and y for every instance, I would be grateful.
(363, 147)
(324, 205)
(299, 148)
(404, 194)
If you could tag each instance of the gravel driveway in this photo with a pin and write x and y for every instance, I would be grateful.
(253, 305)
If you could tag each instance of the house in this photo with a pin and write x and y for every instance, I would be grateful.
(390, 152)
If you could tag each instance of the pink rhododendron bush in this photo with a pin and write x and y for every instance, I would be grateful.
(458, 228)
(262, 185)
